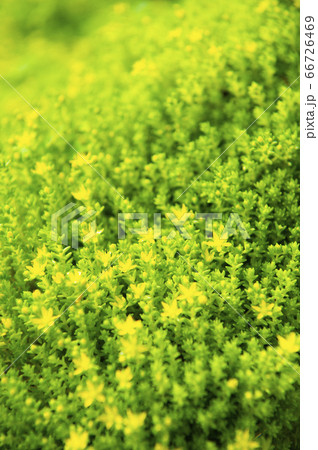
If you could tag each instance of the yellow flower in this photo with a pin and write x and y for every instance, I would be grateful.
(264, 309)
(119, 302)
(146, 257)
(104, 257)
(213, 50)
(130, 348)
(82, 194)
(82, 160)
(159, 446)
(196, 35)
(232, 383)
(251, 47)
(41, 168)
(111, 417)
(58, 277)
(175, 33)
(243, 442)
(124, 378)
(133, 421)
(92, 393)
(128, 327)
(74, 276)
(46, 319)
(83, 363)
(37, 269)
(189, 293)
(77, 441)
(217, 242)
(7, 323)
(179, 212)
(138, 289)
(147, 236)
(144, 67)
(26, 139)
(125, 266)
(290, 344)
(36, 293)
(171, 311)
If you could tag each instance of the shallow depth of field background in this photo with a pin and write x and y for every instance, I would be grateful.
(151, 356)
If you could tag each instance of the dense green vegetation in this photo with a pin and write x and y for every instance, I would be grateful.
(181, 343)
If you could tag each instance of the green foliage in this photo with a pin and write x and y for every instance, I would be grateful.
(155, 351)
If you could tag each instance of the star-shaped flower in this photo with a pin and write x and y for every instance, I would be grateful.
(264, 309)
(46, 319)
(171, 311)
(217, 242)
(290, 344)
(92, 393)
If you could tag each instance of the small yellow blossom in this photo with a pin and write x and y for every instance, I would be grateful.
(138, 289)
(46, 319)
(58, 278)
(83, 363)
(175, 33)
(92, 393)
(130, 326)
(107, 274)
(144, 67)
(41, 168)
(213, 50)
(179, 212)
(77, 441)
(195, 35)
(83, 160)
(217, 242)
(264, 309)
(111, 417)
(130, 348)
(133, 421)
(119, 302)
(36, 293)
(125, 266)
(83, 194)
(243, 442)
(75, 276)
(189, 293)
(146, 257)
(159, 446)
(37, 269)
(147, 236)
(7, 323)
(171, 310)
(251, 47)
(104, 257)
(26, 139)
(290, 344)
(232, 383)
(208, 256)
(124, 378)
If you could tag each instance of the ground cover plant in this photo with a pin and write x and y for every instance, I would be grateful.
(148, 343)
